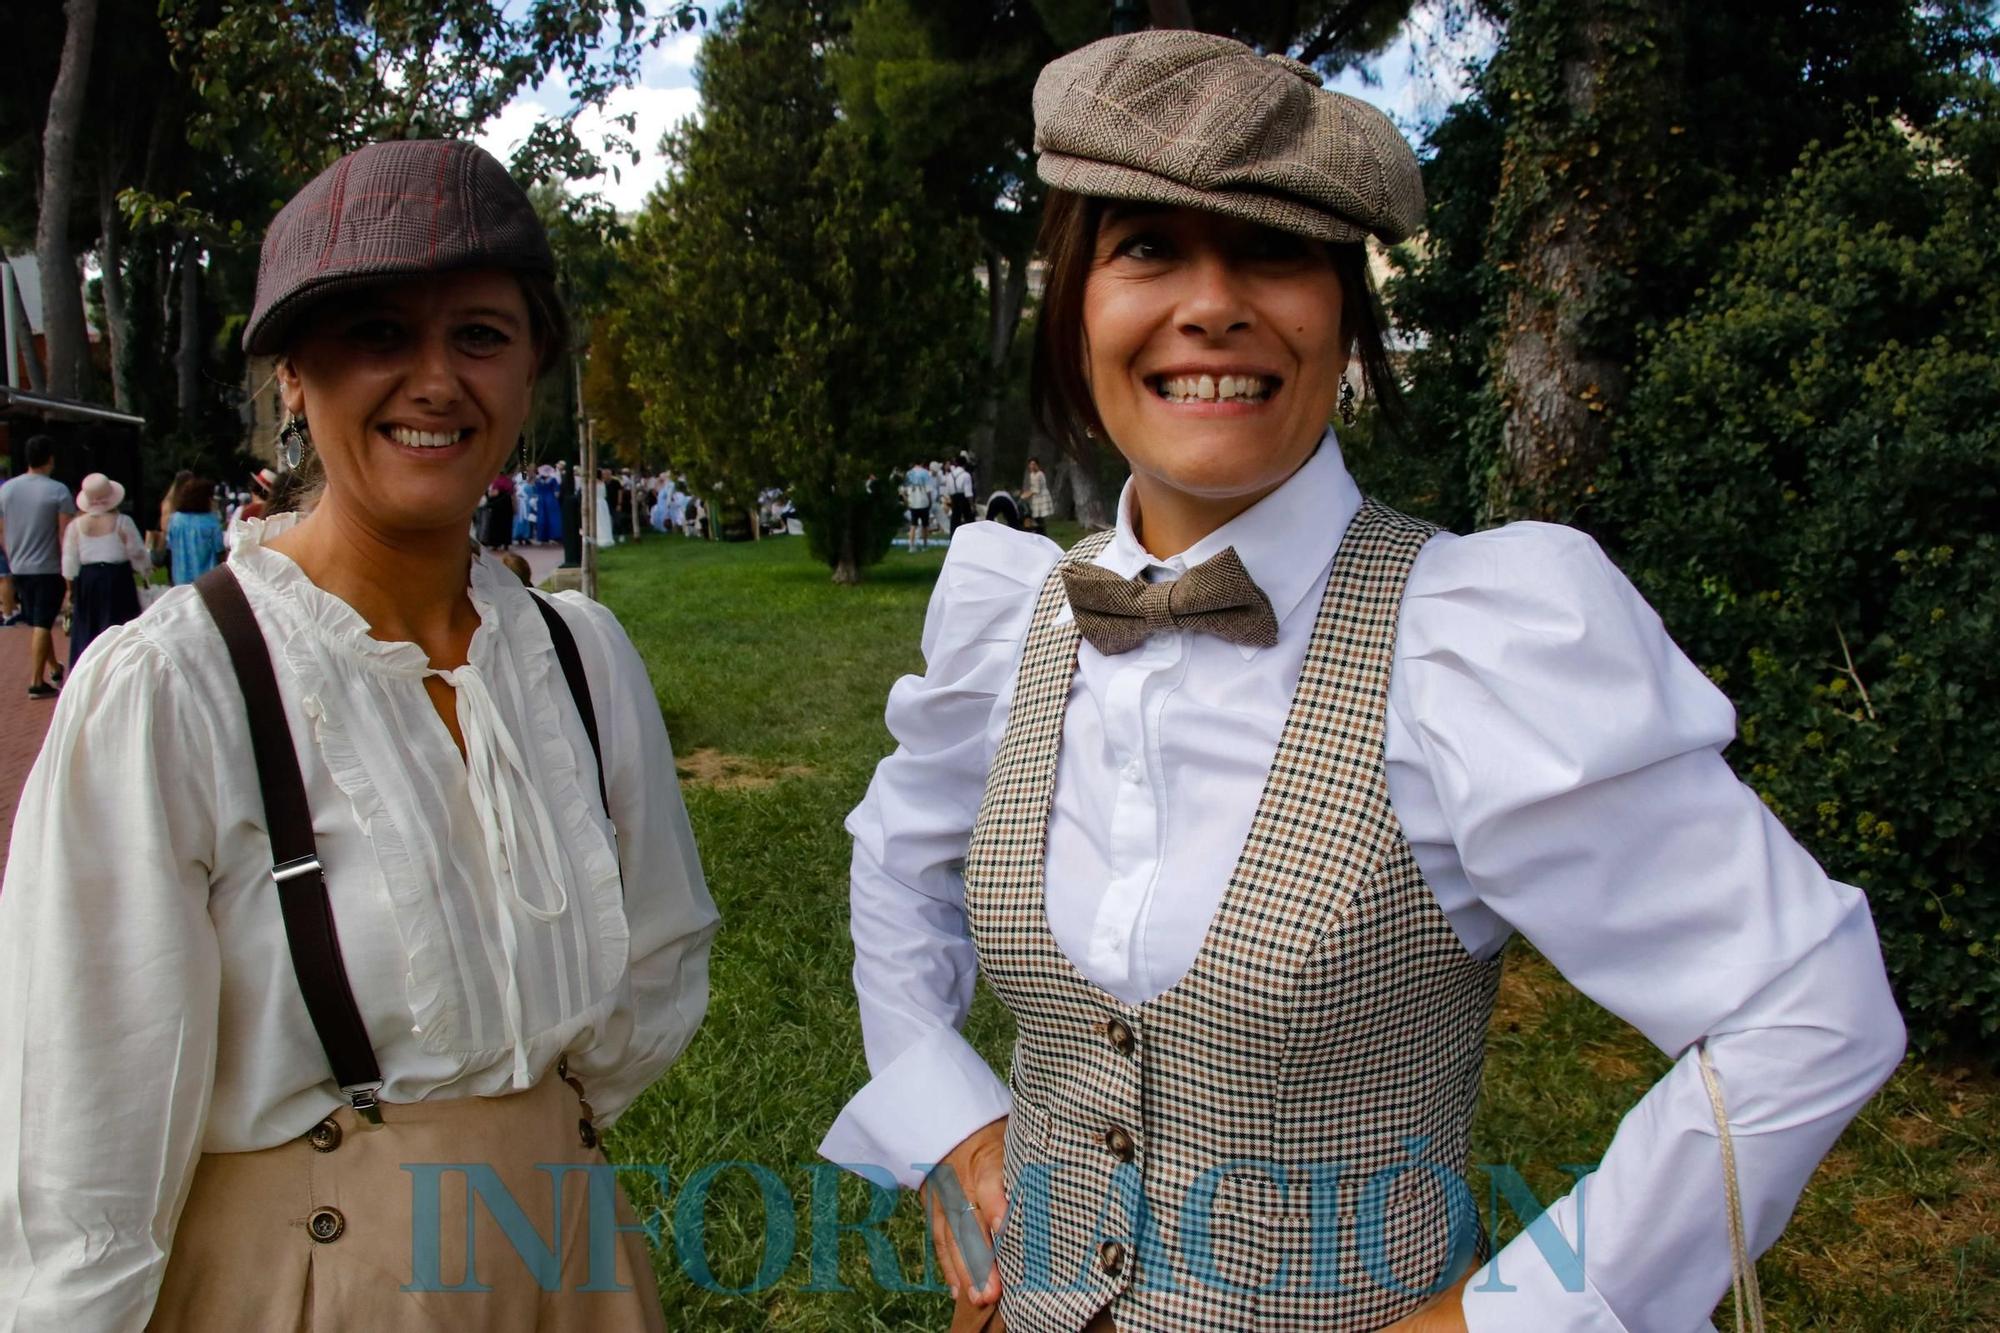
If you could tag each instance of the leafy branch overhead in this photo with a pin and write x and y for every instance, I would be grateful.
(309, 80)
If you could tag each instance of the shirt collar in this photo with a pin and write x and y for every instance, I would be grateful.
(1286, 540)
(488, 584)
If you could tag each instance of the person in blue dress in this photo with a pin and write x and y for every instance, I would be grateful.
(548, 505)
(194, 533)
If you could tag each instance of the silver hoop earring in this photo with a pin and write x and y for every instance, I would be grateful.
(292, 442)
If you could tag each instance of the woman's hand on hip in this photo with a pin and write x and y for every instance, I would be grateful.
(978, 1162)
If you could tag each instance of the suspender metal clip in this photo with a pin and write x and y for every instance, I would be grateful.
(303, 865)
(362, 1097)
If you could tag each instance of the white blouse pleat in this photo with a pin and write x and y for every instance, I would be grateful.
(520, 838)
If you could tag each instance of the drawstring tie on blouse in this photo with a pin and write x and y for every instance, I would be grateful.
(519, 833)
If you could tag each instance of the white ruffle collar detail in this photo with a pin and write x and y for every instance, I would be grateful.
(337, 623)
(530, 848)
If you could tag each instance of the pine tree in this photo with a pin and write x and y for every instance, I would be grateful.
(796, 313)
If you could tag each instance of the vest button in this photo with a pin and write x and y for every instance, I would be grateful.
(1111, 1257)
(325, 1225)
(1120, 1143)
(325, 1136)
(1120, 1036)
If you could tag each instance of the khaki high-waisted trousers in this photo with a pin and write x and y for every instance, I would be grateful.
(316, 1234)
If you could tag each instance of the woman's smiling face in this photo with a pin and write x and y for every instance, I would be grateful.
(414, 393)
(1214, 348)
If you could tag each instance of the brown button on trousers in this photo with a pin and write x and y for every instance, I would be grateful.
(296, 1239)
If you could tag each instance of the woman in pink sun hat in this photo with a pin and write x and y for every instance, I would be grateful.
(102, 552)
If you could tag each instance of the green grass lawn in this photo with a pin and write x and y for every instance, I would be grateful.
(773, 681)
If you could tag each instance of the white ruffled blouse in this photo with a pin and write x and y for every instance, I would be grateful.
(491, 917)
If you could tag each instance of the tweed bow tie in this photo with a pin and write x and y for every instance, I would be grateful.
(1215, 597)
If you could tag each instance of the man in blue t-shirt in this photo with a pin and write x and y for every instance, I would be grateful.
(917, 499)
(34, 510)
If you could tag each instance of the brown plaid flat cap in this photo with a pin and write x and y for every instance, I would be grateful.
(1193, 120)
(406, 206)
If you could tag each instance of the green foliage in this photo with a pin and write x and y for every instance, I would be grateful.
(1326, 34)
(1805, 487)
(1797, 472)
(797, 311)
(865, 521)
(1694, 127)
(1449, 293)
(314, 79)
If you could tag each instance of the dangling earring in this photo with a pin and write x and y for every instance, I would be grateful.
(292, 442)
(1347, 402)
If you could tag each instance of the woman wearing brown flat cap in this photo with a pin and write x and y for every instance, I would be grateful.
(364, 880)
(1235, 807)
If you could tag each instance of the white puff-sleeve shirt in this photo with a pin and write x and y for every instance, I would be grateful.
(491, 917)
(121, 545)
(1556, 765)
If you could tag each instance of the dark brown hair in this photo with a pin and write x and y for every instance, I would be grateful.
(176, 487)
(1058, 385)
(197, 497)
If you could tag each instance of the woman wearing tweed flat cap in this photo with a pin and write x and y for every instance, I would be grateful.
(1236, 805)
(403, 903)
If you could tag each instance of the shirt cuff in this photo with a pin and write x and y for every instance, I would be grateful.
(917, 1109)
(1524, 1290)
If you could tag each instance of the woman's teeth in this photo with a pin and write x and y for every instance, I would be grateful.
(423, 439)
(1211, 388)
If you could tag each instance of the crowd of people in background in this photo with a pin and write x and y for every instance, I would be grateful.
(939, 498)
(527, 507)
(79, 561)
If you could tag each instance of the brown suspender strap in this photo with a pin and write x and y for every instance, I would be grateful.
(302, 896)
(579, 688)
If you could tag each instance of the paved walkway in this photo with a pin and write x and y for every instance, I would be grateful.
(22, 722)
(541, 559)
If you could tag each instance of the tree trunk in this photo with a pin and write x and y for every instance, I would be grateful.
(1006, 294)
(847, 566)
(111, 258)
(1574, 183)
(187, 359)
(62, 285)
(1081, 481)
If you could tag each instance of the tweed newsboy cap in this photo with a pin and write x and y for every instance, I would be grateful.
(1194, 120)
(402, 207)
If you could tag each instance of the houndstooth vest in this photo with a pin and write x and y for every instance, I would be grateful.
(1279, 1140)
